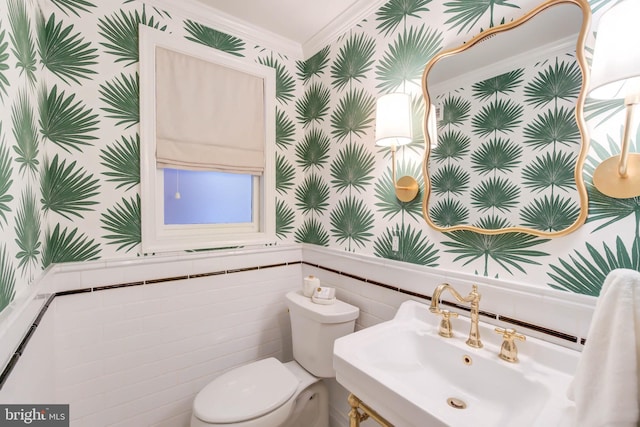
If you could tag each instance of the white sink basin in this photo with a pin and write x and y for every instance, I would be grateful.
(413, 377)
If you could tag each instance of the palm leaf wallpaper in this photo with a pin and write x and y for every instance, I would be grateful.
(69, 134)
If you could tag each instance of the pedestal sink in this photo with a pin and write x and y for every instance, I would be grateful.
(415, 378)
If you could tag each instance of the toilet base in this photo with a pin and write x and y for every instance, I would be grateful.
(309, 406)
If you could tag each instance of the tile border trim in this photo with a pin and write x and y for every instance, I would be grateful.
(493, 316)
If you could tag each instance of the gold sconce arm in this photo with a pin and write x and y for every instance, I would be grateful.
(406, 187)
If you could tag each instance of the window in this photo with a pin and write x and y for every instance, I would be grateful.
(207, 165)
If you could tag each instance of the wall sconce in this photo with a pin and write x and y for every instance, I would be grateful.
(393, 128)
(615, 73)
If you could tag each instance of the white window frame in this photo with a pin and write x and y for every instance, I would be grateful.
(158, 237)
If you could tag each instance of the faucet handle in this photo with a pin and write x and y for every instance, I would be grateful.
(508, 350)
(445, 329)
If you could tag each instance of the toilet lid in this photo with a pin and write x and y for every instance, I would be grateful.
(247, 392)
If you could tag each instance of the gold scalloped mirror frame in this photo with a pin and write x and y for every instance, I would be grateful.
(580, 186)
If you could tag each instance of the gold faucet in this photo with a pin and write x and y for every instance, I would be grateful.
(474, 302)
(508, 350)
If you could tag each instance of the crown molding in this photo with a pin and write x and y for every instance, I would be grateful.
(231, 25)
(343, 23)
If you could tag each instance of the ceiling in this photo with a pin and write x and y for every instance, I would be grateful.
(300, 21)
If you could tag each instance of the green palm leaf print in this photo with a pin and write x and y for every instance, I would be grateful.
(499, 116)
(313, 150)
(584, 273)
(405, 59)
(313, 194)
(353, 114)
(394, 12)
(496, 155)
(450, 179)
(352, 221)
(27, 230)
(313, 66)
(7, 279)
(554, 126)
(6, 172)
(25, 133)
(23, 46)
(550, 170)
(314, 104)
(285, 130)
(388, 204)
(354, 60)
(285, 174)
(448, 213)
(504, 84)
(67, 190)
(560, 81)
(158, 10)
(67, 125)
(209, 37)
(602, 107)
(495, 193)
(285, 84)
(550, 213)
(124, 224)
(123, 99)
(507, 249)
(73, 6)
(352, 168)
(467, 13)
(121, 34)
(455, 111)
(65, 54)
(285, 216)
(312, 232)
(122, 161)
(412, 247)
(598, 4)
(612, 210)
(62, 247)
(452, 145)
(4, 56)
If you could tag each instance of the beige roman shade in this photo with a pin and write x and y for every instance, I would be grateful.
(208, 116)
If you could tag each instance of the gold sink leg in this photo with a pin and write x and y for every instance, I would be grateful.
(355, 417)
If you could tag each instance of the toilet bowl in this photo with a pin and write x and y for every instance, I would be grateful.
(269, 393)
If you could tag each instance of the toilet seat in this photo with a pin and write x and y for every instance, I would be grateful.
(245, 393)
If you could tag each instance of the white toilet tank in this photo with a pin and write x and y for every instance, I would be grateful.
(314, 328)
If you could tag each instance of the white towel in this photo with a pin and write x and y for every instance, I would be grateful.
(605, 388)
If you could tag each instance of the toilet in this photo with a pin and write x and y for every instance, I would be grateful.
(269, 393)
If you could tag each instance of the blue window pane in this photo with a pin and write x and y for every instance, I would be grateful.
(199, 197)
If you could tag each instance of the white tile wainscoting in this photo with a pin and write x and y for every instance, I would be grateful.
(130, 343)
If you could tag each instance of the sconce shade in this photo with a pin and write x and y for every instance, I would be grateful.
(615, 73)
(615, 69)
(393, 120)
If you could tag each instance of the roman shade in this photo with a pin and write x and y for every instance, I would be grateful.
(208, 116)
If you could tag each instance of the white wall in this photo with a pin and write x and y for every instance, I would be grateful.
(137, 355)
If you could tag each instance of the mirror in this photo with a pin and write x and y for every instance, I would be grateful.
(504, 129)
